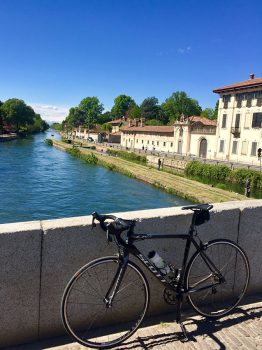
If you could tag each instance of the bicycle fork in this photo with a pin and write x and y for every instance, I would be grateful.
(116, 282)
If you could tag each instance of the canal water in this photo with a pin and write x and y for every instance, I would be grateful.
(41, 182)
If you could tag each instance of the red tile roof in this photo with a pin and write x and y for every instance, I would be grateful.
(149, 128)
(238, 86)
(203, 120)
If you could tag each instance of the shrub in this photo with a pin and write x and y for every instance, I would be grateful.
(89, 158)
(220, 174)
(131, 156)
(213, 173)
(49, 142)
(75, 152)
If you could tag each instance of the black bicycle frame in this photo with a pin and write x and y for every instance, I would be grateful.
(127, 247)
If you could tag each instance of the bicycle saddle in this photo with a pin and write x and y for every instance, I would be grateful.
(198, 207)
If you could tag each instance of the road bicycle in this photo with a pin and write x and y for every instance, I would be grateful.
(214, 280)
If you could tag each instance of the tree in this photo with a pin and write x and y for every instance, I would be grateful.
(121, 105)
(154, 122)
(216, 110)
(74, 118)
(1, 118)
(179, 103)
(17, 113)
(208, 113)
(91, 108)
(150, 108)
(133, 112)
(104, 118)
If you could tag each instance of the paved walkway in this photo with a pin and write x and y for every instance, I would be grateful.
(241, 330)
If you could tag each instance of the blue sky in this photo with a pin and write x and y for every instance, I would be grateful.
(56, 52)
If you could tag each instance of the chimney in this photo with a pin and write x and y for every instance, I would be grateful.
(251, 76)
(142, 122)
(136, 122)
(130, 122)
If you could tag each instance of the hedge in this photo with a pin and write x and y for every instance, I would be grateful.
(222, 174)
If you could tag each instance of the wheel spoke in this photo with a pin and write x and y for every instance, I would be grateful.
(222, 296)
(84, 308)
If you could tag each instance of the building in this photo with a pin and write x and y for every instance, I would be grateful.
(193, 135)
(239, 127)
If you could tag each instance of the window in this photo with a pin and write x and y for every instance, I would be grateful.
(224, 121)
(254, 149)
(244, 147)
(226, 99)
(153, 143)
(142, 141)
(237, 121)
(221, 146)
(164, 144)
(234, 147)
(148, 142)
(157, 143)
(257, 119)
(136, 140)
(249, 102)
(171, 144)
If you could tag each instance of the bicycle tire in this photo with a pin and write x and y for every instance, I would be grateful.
(220, 299)
(88, 286)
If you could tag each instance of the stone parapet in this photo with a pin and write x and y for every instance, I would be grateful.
(38, 258)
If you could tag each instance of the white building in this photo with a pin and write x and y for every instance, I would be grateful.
(239, 127)
(193, 135)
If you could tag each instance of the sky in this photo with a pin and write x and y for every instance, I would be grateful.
(54, 53)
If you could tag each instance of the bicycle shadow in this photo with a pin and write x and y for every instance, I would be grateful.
(203, 327)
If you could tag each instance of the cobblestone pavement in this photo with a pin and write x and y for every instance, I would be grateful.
(240, 330)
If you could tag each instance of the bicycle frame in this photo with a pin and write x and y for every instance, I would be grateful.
(127, 247)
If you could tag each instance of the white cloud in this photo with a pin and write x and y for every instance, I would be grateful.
(51, 113)
(184, 50)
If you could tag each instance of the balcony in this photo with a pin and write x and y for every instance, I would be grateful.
(235, 131)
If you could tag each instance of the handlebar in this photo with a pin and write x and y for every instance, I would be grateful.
(101, 219)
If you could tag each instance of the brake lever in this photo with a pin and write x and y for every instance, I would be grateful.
(108, 237)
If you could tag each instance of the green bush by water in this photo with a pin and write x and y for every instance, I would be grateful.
(49, 142)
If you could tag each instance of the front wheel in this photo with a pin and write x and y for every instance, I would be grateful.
(86, 314)
(217, 277)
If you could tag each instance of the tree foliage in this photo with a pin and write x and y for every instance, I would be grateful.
(122, 103)
(150, 108)
(179, 103)
(21, 116)
(104, 118)
(91, 108)
(208, 113)
(133, 112)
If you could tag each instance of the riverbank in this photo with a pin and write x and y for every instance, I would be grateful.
(185, 188)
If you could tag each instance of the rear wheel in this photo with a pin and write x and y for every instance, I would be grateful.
(224, 280)
(85, 313)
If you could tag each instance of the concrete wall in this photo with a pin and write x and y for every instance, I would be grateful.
(38, 258)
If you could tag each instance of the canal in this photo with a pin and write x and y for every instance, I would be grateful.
(42, 182)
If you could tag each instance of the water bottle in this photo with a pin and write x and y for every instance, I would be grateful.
(159, 262)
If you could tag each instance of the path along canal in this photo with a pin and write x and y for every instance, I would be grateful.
(40, 182)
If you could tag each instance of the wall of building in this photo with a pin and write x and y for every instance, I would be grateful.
(157, 142)
(247, 133)
(38, 258)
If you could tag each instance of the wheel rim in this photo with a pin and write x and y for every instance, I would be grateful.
(84, 309)
(224, 295)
